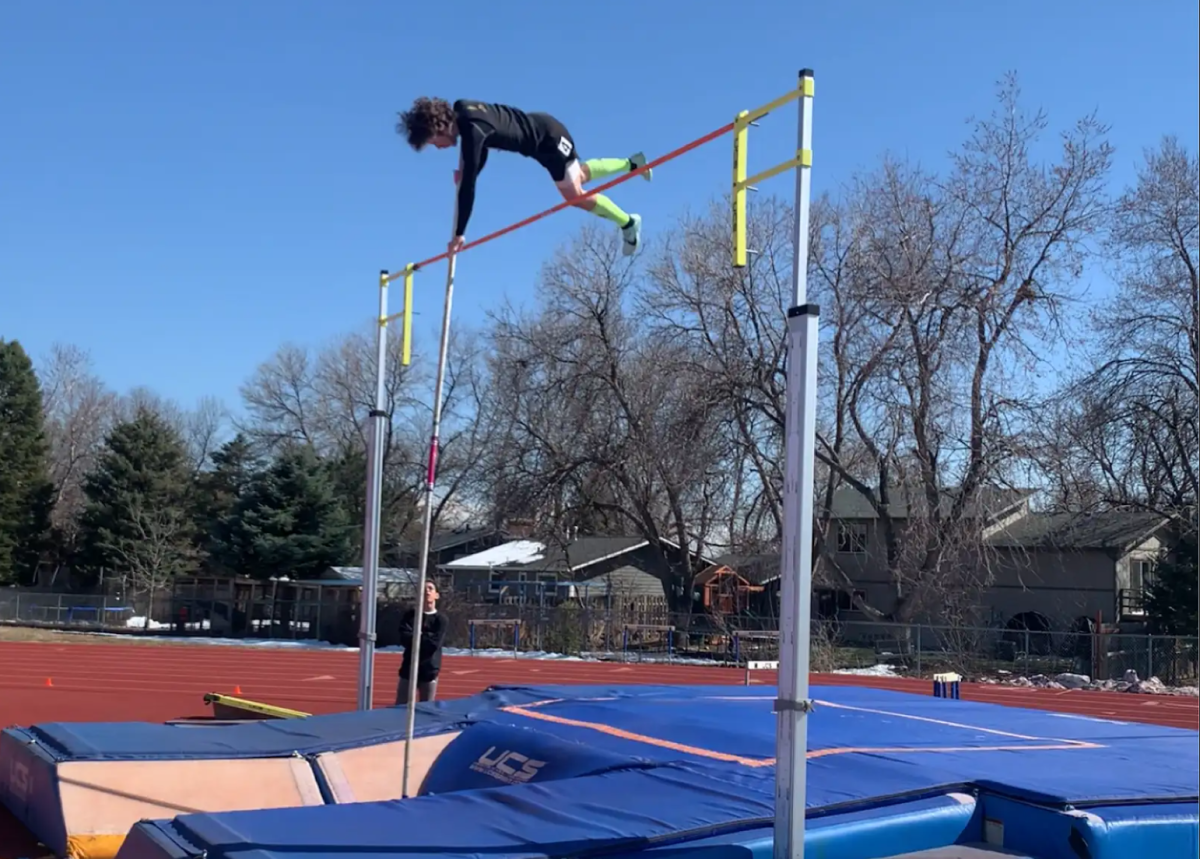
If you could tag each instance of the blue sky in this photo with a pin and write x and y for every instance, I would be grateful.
(186, 186)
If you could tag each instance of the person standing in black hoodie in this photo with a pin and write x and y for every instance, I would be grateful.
(429, 662)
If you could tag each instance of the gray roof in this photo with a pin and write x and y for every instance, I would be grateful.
(623, 582)
(554, 557)
(449, 539)
(990, 501)
(1109, 529)
(580, 552)
(387, 576)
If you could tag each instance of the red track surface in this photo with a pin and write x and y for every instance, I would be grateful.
(44, 682)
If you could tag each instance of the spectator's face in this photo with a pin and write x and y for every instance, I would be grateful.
(431, 596)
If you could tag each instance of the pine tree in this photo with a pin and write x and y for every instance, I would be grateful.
(218, 492)
(290, 521)
(347, 468)
(1171, 598)
(137, 520)
(26, 492)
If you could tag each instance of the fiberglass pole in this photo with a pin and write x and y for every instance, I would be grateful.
(793, 704)
(427, 528)
(370, 577)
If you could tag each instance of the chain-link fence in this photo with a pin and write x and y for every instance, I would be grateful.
(636, 630)
(647, 631)
(65, 610)
(925, 649)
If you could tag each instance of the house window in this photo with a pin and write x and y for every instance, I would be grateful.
(1141, 574)
(495, 581)
(852, 538)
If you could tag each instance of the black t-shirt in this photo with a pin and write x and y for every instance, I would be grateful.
(483, 126)
(433, 633)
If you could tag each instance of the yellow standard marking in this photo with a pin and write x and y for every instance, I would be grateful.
(94, 846)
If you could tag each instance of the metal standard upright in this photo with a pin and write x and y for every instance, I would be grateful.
(378, 434)
(793, 704)
(427, 526)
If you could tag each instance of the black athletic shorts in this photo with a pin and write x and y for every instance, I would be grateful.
(558, 147)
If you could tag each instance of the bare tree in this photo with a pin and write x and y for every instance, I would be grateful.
(156, 547)
(939, 294)
(79, 412)
(967, 276)
(204, 430)
(734, 323)
(602, 422)
(323, 398)
(1125, 429)
(737, 321)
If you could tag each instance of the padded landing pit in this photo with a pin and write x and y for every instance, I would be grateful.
(79, 787)
(690, 770)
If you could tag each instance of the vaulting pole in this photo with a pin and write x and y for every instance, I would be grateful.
(427, 526)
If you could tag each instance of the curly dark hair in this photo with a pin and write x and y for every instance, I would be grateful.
(426, 117)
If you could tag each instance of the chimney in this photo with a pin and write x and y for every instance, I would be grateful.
(519, 529)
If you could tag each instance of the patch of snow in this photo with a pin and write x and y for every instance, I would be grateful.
(1073, 681)
(513, 552)
(141, 623)
(880, 670)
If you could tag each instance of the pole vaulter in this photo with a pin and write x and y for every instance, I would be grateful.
(793, 703)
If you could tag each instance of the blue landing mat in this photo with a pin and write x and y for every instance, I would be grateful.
(885, 769)
(870, 743)
(110, 741)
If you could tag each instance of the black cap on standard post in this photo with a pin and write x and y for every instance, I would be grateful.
(383, 272)
(806, 73)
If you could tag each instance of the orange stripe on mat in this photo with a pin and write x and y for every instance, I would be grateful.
(639, 738)
(1042, 743)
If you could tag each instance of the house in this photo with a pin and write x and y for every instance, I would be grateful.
(1061, 570)
(605, 568)
(1046, 571)
(858, 534)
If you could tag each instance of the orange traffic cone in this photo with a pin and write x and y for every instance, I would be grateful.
(49, 682)
(237, 690)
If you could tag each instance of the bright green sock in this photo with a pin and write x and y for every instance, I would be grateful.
(606, 208)
(602, 168)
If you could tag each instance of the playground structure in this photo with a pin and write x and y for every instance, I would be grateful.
(800, 434)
